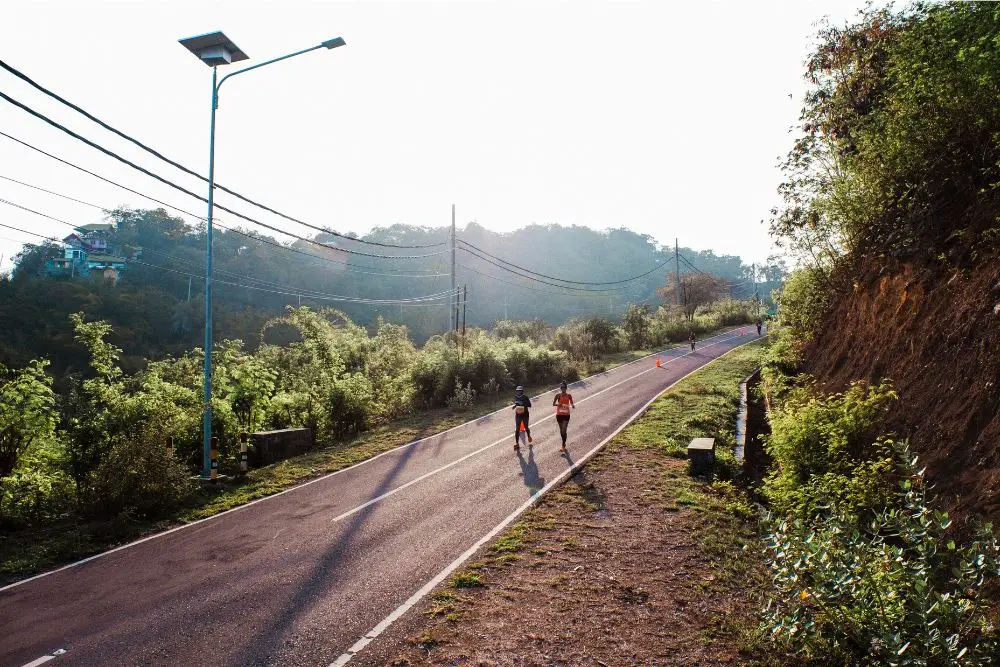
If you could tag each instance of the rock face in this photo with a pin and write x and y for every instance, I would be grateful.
(933, 332)
(271, 446)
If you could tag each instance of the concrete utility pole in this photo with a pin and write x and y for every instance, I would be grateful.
(505, 316)
(189, 288)
(677, 276)
(453, 305)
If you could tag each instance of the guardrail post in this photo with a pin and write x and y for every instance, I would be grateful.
(243, 451)
(214, 456)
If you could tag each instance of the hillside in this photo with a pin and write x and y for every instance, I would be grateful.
(934, 331)
(157, 307)
(891, 203)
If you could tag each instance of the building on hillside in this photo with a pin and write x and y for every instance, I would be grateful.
(90, 249)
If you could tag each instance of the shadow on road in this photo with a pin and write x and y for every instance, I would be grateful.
(529, 472)
(325, 578)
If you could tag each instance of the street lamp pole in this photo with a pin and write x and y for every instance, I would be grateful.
(206, 425)
(216, 49)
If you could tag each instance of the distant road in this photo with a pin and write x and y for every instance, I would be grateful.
(299, 578)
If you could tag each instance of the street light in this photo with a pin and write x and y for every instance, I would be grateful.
(216, 49)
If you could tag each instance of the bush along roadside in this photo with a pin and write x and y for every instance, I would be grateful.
(865, 568)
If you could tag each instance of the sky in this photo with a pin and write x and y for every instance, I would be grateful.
(668, 118)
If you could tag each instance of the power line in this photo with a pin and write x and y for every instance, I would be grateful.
(181, 188)
(341, 265)
(564, 280)
(420, 300)
(151, 151)
(256, 280)
(302, 290)
(508, 282)
(165, 204)
(539, 280)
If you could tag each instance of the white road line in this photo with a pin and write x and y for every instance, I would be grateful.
(324, 477)
(371, 635)
(45, 658)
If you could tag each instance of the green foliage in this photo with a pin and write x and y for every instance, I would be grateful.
(803, 301)
(636, 325)
(826, 449)
(895, 590)
(535, 331)
(27, 412)
(463, 397)
(900, 134)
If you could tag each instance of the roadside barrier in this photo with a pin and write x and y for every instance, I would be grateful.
(244, 437)
(215, 459)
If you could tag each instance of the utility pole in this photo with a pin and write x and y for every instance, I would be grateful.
(753, 277)
(677, 275)
(465, 301)
(189, 289)
(453, 307)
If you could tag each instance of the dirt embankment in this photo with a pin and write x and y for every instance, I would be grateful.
(935, 332)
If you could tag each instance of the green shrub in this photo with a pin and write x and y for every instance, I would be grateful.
(463, 398)
(827, 447)
(895, 590)
(802, 301)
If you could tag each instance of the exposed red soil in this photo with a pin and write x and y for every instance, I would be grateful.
(935, 332)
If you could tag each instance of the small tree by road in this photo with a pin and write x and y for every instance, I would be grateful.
(696, 289)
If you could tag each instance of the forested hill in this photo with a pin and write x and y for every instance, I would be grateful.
(153, 315)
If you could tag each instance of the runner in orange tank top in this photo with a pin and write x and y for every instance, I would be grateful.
(563, 402)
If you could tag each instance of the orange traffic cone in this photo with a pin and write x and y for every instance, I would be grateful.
(657, 361)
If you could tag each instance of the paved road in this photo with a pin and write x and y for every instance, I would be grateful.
(296, 579)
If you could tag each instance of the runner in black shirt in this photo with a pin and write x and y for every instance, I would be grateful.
(520, 408)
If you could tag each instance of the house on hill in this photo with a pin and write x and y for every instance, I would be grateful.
(90, 249)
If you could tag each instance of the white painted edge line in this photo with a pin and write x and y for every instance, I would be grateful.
(45, 658)
(336, 472)
(372, 634)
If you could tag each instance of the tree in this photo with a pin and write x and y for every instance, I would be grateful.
(635, 322)
(27, 411)
(696, 289)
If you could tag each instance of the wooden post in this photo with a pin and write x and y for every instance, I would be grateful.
(170, 447)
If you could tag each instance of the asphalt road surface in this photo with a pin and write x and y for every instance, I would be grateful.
(298, 578)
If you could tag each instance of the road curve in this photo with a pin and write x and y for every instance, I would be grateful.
(297, 578)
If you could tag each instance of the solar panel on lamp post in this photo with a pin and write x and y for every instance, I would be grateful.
(216, 49)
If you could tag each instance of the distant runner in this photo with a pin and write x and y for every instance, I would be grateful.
(692, 339)
(563, 402)
(760, 325)
(520, 408)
